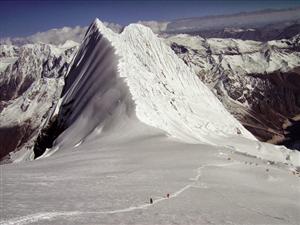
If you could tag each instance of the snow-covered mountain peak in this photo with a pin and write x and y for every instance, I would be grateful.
(135, 75)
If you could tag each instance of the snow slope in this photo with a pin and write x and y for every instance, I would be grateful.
(110, 182)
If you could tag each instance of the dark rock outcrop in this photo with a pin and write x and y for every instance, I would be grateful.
(258, 82)
(29, 88)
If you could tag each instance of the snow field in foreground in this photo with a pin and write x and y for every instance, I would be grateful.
(111, 184)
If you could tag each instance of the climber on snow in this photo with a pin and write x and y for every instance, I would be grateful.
(151, 201)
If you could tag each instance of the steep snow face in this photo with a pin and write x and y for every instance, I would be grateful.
(258, 82)
(164, 92)
(171, 97)
(94, 96)
(29, 86)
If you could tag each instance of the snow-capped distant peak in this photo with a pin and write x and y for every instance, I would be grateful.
(68, 44)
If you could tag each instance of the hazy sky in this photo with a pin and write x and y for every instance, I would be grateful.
(21, 18)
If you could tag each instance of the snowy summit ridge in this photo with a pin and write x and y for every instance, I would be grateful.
(136, 75)
(132, 86)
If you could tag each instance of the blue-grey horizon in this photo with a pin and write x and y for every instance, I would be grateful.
(23, 18)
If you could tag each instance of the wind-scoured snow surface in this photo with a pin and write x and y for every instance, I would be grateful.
(104, 183)
(126, 140)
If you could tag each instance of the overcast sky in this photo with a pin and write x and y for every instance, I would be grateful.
(22, 18)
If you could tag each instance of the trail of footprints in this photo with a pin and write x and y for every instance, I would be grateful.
(294, 171)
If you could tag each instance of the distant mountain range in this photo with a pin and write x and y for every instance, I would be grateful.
(258, 82)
